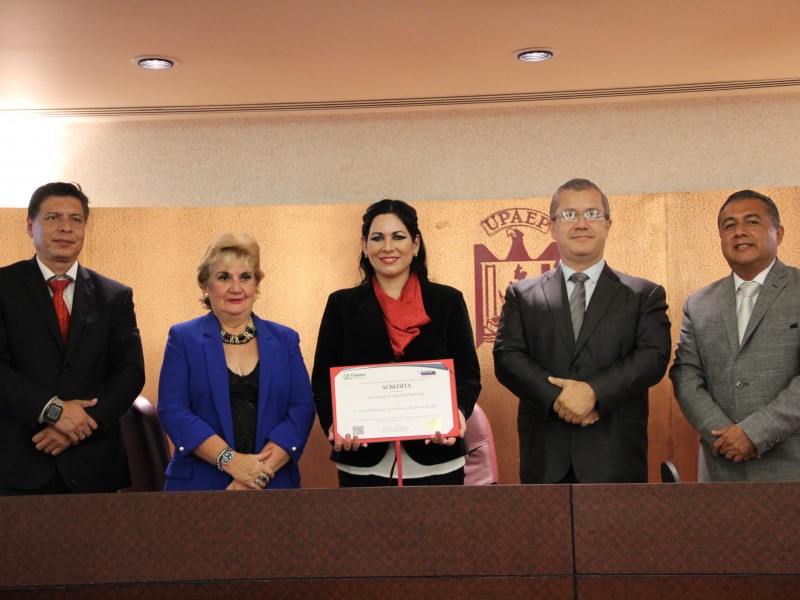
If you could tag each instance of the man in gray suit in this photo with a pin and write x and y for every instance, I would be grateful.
(580, 346)
(737, 366)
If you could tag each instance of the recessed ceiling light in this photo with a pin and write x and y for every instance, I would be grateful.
(154, 62)
(534, 54)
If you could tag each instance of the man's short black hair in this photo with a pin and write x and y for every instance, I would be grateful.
(57, 188)
(751, 195)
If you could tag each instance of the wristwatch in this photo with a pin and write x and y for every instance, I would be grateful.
(53, 412)
(224, 457)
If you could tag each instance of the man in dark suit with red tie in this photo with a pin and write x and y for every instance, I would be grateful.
(580, 346)
(71, 360)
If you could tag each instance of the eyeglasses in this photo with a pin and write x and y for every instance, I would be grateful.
(571, 216)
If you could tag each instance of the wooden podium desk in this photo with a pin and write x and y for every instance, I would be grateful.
(590, 541)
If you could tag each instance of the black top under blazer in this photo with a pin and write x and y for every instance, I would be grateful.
(353, 332)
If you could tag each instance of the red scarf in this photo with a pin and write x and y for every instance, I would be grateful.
(403, 316)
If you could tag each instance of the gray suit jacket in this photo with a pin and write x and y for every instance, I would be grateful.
(718, 383)
(623, 349)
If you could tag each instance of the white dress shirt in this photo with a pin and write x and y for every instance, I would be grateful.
(592, 272)
(69, 291)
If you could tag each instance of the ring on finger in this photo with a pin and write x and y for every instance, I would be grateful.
(263, 478)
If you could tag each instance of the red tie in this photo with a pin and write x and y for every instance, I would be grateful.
(58, 285)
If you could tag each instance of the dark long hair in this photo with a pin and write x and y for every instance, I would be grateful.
(408, 216)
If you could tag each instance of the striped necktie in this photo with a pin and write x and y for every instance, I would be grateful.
(577, 301)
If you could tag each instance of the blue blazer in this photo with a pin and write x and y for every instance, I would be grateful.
(194, 400)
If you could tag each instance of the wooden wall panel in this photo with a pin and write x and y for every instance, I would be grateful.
(309, 251)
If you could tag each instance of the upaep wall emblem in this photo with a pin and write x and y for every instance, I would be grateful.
(493, 275)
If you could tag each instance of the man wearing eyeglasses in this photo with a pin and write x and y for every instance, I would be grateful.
(737, 366)
(580, 346)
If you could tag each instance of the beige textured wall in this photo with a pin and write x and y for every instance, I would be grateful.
(638, 146)
(309, 251)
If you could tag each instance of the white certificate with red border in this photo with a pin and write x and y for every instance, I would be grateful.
(395, 401)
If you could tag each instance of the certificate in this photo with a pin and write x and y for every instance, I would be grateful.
(395, 401)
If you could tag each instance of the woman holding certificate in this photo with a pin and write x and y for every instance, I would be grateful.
(234, 395)
(396, 315)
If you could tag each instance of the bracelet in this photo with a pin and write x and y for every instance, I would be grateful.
(224, 457)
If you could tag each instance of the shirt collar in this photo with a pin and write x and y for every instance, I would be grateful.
(592, 272)
(760, 278)
(72, 272)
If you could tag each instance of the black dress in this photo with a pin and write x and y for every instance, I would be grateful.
(244, 409)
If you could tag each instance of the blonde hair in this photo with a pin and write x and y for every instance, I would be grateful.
(227, 248)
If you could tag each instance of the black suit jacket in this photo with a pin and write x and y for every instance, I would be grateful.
(622, 350)
(353, 332)
(103, 359)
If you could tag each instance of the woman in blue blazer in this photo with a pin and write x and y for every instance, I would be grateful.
(234, 394)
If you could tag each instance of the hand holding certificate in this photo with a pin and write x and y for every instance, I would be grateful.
(395, 401)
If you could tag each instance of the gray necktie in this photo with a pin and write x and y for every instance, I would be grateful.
(748, 290)
(577, 301)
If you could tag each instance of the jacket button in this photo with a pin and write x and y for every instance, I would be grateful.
(739, 384)
(180, 449)
(294, 449)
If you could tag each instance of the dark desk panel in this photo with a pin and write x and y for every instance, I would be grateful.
(721, 529)
(630, 541)
(689, 587)
(687, 541)
(415, 540)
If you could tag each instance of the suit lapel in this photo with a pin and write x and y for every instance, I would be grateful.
(370, 311)
(37, 288)
(82, 302)
(217, 369)
(604, 291)
(773, 285)
(555, 294)
(726, 301)
(267, 350)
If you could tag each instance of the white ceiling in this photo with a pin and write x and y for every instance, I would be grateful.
(73, 57)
